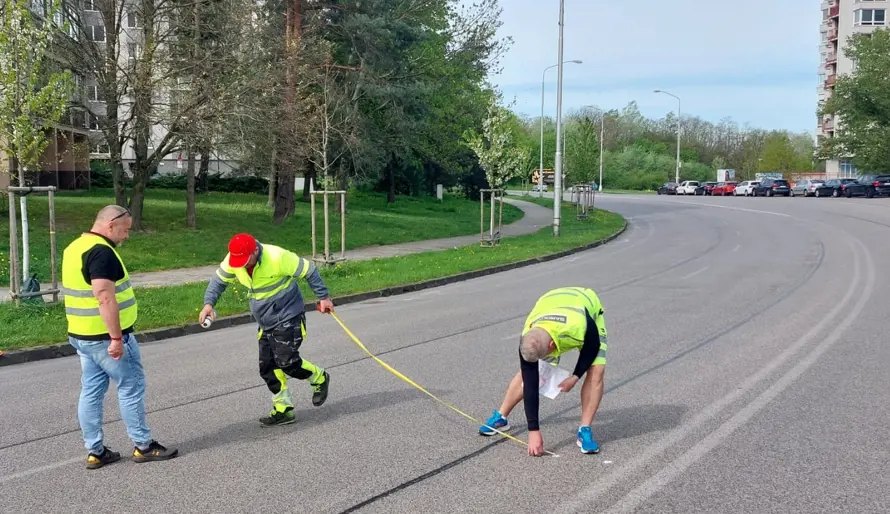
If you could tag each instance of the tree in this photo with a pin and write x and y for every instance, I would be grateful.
(861, 102)
(496, 148)
(33, 94)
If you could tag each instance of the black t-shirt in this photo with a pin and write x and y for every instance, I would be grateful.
(101, 262)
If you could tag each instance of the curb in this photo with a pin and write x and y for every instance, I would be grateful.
(57, 350)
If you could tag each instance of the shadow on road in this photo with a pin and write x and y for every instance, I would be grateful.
(616, 424)
(307, 415)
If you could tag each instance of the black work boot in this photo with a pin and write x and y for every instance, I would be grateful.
(321, 390)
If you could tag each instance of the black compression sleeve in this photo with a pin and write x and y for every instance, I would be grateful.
(530, 391)
(590, 348)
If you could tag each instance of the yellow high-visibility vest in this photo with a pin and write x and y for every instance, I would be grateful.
(81, 307)
(561, 312)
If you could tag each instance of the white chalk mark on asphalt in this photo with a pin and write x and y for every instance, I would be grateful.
(41, 469)
(736, 248)
(694, 273)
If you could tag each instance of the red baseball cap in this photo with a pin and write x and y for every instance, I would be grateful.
(241, 246)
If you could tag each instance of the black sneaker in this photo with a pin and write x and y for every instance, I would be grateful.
(155, 451)
(279, 418)
(321, 391)
(107, 457)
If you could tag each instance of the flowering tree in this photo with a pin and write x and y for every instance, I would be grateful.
(499, 149)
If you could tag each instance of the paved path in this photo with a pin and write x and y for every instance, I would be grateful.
(747, 373)
(535, 217)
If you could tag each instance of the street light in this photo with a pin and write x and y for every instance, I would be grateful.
(557, 168)
(541, 164)
(677, 179)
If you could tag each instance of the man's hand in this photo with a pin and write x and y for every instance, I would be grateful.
(325, 305)
(116, 349)
(206, 311)
(535, 443)
(567, 384)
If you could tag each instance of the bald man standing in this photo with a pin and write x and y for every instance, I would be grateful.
(100, 307)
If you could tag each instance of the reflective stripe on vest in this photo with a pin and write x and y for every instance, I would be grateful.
(561, 312)
(81, 307)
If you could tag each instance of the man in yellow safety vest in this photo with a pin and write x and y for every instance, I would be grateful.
(101, 310)
(562, 320)
(270, 275)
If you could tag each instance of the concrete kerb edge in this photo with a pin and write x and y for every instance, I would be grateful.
(57, 350)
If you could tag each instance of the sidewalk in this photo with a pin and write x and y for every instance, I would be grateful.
(535, 217)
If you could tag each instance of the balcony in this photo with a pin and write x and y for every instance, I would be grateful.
(829, 82)
(832, 34)
(827, 125)
(834, 11)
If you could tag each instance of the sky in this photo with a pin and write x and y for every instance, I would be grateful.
(755, 61)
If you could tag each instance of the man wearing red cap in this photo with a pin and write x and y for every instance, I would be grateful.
(270, 275)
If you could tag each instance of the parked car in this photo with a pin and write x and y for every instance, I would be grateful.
(806, 187)
(669, 188)
(833, 187)
(772, 187)
(868, 186)
(706, 187)
(724, 188)
(687, 187)
(745, 188)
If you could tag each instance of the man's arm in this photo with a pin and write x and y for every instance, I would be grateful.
(103, 290)
(217, 286)
(530, 391)
(589, 349)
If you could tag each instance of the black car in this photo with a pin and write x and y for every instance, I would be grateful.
(834, 187)
(772, 187)
(705, 188)
(669, 188)
(869, 186)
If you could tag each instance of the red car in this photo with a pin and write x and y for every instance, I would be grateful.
(724, 188)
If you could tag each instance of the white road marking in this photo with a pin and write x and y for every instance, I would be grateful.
(736, 248)
(658, 481)
(586, 497)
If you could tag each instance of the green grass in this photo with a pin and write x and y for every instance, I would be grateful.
(179, 305)
(166, 243)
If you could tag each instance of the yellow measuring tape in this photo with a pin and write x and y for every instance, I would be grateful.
(431, 395)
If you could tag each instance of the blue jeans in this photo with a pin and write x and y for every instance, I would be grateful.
(97, 368)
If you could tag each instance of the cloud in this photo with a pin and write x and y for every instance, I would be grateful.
(755, 61)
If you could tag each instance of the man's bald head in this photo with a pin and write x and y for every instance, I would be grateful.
(113, 222)
(535, 345)
(110, 212)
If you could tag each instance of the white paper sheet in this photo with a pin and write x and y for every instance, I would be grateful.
(549, 378)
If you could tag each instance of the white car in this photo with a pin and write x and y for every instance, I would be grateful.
(746, 188)
(687, 187)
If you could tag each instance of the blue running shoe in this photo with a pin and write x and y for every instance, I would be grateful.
(586, 442)
(494, 421)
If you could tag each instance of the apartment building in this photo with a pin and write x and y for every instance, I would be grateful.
(840, 20)
(65, 161)
(129, 48)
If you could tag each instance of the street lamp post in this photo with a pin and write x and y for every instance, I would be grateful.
(602, 133)
(677, 178)
(541, 163)
(557, 168)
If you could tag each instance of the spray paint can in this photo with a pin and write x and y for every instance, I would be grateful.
(209, 319)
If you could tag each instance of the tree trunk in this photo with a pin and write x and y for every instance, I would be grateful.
(273, 177)
(285, 194)
(191, 219)
(343, 182)
(391, 194)
(308, 180)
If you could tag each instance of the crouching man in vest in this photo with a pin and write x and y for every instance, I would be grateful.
(100, 307)
(270, 275)
(564, 319)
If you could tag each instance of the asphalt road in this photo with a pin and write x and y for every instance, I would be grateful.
(747, 373)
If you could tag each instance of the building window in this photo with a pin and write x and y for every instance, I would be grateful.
(132, 20)
(94, 94)
(847, 170)
(89, 6)
(94, 122)
(871, 16)
(97, 33)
